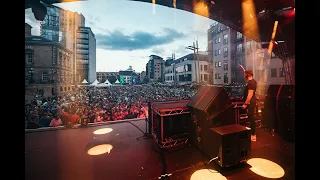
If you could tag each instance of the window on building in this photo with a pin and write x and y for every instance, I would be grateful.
(225, 78)
(249, 45)
(281, 72)
(225, 66)
(219, 40)
(215, 41)
(225, 52)
(239, 48)
(274, 73)
(219, 63)
(225, 39)
(215, 52)
(44, 76)
(205, 77)
(239, 35)
(215, 76)
(219, 52)
(201, 67)
(29, 58)
(215, 64)
(205, 67)
(219, 76)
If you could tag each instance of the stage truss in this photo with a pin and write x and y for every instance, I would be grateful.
(175, 140)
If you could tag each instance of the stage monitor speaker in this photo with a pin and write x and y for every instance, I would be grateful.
(230, 144)
(210, 99)
(210, 107)
(278, 110)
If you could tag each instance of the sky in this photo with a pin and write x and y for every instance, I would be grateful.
(128, 32)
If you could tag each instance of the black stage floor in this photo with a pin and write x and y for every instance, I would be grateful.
(63, 155)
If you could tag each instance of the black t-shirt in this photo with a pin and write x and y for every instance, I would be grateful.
(251, 85)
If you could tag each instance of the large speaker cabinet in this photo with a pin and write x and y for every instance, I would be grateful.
(230, 144)
(209, 107)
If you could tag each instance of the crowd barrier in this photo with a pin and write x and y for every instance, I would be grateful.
(78, 125)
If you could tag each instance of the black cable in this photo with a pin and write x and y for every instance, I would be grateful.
(136, 127)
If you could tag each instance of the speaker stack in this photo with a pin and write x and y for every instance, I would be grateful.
(279, 110)
(210, 108)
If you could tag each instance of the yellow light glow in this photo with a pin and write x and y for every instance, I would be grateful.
(205, 174)
(266, 168)
(272, 37)
(259, 111)
(102, 131)
(201, 8)
(250, 23)
(100, 149)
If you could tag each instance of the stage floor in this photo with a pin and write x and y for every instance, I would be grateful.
(62, 155)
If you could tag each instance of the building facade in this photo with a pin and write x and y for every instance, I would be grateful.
(185, 71)
(111, 76)
(155, 68)
(61, 26)
(47, 68)
(229, 48)
(86, 55)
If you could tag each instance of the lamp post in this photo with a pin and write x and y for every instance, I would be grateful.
(195, 53)
(31, 75)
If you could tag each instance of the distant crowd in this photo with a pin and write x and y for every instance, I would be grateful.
(92, 104)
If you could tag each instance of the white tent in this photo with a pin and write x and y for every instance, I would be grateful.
(117, 82)
(102, 85)
(95, 83)
(107, 83)
(84, 81)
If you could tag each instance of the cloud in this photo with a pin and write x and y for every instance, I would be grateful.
(117, 40)
(35, 24)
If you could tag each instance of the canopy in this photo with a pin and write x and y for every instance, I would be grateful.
(117, 82)
(107, 82)
(95, 83)
(84, 81)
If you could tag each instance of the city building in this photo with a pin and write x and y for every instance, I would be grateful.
(61, 26)
(86, 55)
(228, 49)
(155, 68)
(47, 68)
(27, 29)
(185, 71)
(111, 76)
(142, 77)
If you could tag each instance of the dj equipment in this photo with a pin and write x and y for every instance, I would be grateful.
(230, 144)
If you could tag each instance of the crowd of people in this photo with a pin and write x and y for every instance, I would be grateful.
(92, 104)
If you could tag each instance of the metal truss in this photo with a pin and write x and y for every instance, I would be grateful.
(171, 112)
(170, 142)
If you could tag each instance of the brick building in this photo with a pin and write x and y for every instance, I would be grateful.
(47, 67)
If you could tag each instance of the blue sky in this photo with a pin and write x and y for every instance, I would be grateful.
(127, 32)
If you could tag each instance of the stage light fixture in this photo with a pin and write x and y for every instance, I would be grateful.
(266, 168)
(102, 131)
(207, 174)
(100, 149)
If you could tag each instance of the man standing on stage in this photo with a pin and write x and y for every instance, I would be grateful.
(250, 100)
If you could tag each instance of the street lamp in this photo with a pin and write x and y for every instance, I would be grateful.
(31, 75)
(195, 53)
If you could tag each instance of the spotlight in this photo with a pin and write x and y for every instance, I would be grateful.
(102, 131)
(266, 168)
(207, 174)
(100, 149)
